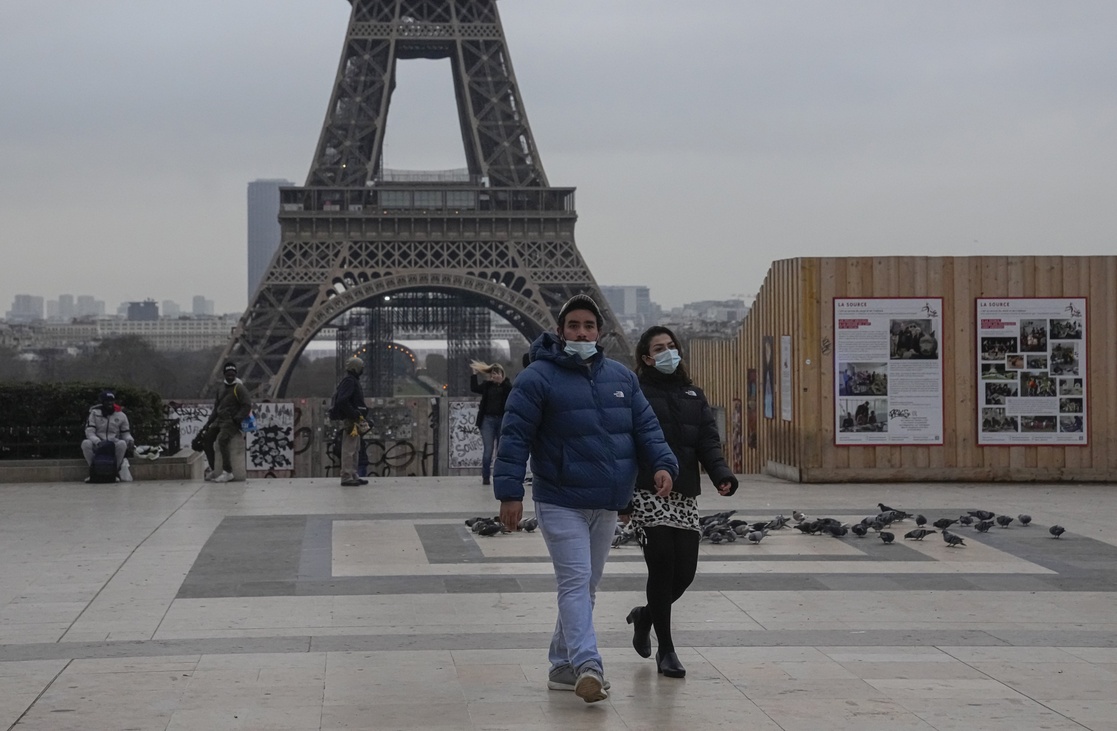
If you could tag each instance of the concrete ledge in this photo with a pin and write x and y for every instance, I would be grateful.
(186, 465)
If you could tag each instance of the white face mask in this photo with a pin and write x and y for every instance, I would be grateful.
(667, 361)
(584, 349)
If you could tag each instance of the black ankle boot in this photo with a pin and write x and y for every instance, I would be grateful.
(641, 631)
(669, 665)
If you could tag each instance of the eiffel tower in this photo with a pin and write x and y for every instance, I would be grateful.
(499, 237)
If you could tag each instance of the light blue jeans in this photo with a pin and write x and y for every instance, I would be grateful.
(578, 541)
(490, 442)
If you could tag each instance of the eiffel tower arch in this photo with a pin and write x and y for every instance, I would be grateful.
(497, 235)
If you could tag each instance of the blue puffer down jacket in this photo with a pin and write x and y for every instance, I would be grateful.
(586, 428)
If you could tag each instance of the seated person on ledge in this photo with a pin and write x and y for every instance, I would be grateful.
(107, 422)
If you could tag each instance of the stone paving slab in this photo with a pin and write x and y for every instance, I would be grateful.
(298, 604)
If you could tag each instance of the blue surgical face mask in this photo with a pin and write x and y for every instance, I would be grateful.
(667, 361)
(584, 349)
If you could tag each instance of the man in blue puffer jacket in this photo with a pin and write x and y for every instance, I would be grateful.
(587, 427)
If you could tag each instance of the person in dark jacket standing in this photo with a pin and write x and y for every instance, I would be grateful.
(230, 408)
(586, 426)
(490, 382)
(349, 409)
(670, 521)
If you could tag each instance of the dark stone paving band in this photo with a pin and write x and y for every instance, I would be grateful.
(520, 640)
(291, 555)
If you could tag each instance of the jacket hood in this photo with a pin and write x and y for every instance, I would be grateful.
(236, 382)
(549, 346)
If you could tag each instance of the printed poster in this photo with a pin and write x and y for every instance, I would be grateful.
(888, 373)
(785, 377)
(1031, 371)
(769, 376)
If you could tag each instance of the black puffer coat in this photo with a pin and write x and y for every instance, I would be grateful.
(690, 429)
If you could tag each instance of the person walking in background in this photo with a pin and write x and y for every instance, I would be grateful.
(349, 409)
(586, 426)
(669, 521)
(230, 408)
(490, 382)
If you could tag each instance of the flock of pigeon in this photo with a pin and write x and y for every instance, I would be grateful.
(721, 527)
(483, 526)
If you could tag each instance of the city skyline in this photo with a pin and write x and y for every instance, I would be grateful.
(721, 135)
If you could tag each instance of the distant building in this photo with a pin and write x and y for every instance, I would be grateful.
(632, 305)
(145, 311)
(87, 306)
(202, 306)
(26, 308)
(263, 228)
(66, 309)
(171, 309)
(168, 335)
(52, 310)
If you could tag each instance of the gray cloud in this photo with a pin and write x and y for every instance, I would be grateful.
(704, 141)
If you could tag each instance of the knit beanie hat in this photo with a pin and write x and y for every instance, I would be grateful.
(580, 302)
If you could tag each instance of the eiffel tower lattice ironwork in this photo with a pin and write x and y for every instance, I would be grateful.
(501, 236)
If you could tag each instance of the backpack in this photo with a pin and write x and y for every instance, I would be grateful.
(103, 467)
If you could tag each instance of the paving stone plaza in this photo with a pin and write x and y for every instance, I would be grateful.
(301, 604)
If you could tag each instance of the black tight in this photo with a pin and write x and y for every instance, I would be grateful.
(672, 558)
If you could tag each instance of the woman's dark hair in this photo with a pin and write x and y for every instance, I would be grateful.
(643, 347)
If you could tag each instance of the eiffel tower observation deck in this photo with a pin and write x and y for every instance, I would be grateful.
(495, 236)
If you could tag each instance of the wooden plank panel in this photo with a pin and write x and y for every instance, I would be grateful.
(967, 286)
(940, 270)
(809, 421)
(1104, 430)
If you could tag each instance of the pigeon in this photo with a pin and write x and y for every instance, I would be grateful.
(798, 516)
(965, 519)
(887, 537)
(920, 520)
(984, 526)
(491, 529)
(859, 530)
(952, 540)
(982, 514)
(777, 523)
(624, 537)
(944, 523)
(885, 509)
(1024, 518)
(529, 524)
(1004, 520)
(919, 533)
(716, 518)
(838, 531)
(1056, 530)
(757, 536)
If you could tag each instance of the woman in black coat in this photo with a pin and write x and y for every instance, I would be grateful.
(669, 521)
(489, 381)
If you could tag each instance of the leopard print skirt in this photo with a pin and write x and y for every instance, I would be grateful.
(674, 511)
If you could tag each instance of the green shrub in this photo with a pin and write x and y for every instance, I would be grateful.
(54, 415)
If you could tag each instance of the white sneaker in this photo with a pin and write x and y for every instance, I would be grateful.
(224, 477)
(209, 474)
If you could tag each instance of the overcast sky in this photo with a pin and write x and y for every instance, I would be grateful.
(705, 138)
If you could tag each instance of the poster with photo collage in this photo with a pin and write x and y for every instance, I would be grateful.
(888, 386)
(1031, 360)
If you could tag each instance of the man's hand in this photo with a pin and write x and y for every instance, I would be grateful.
(725, 487)
(663, 483)
(511, 511)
